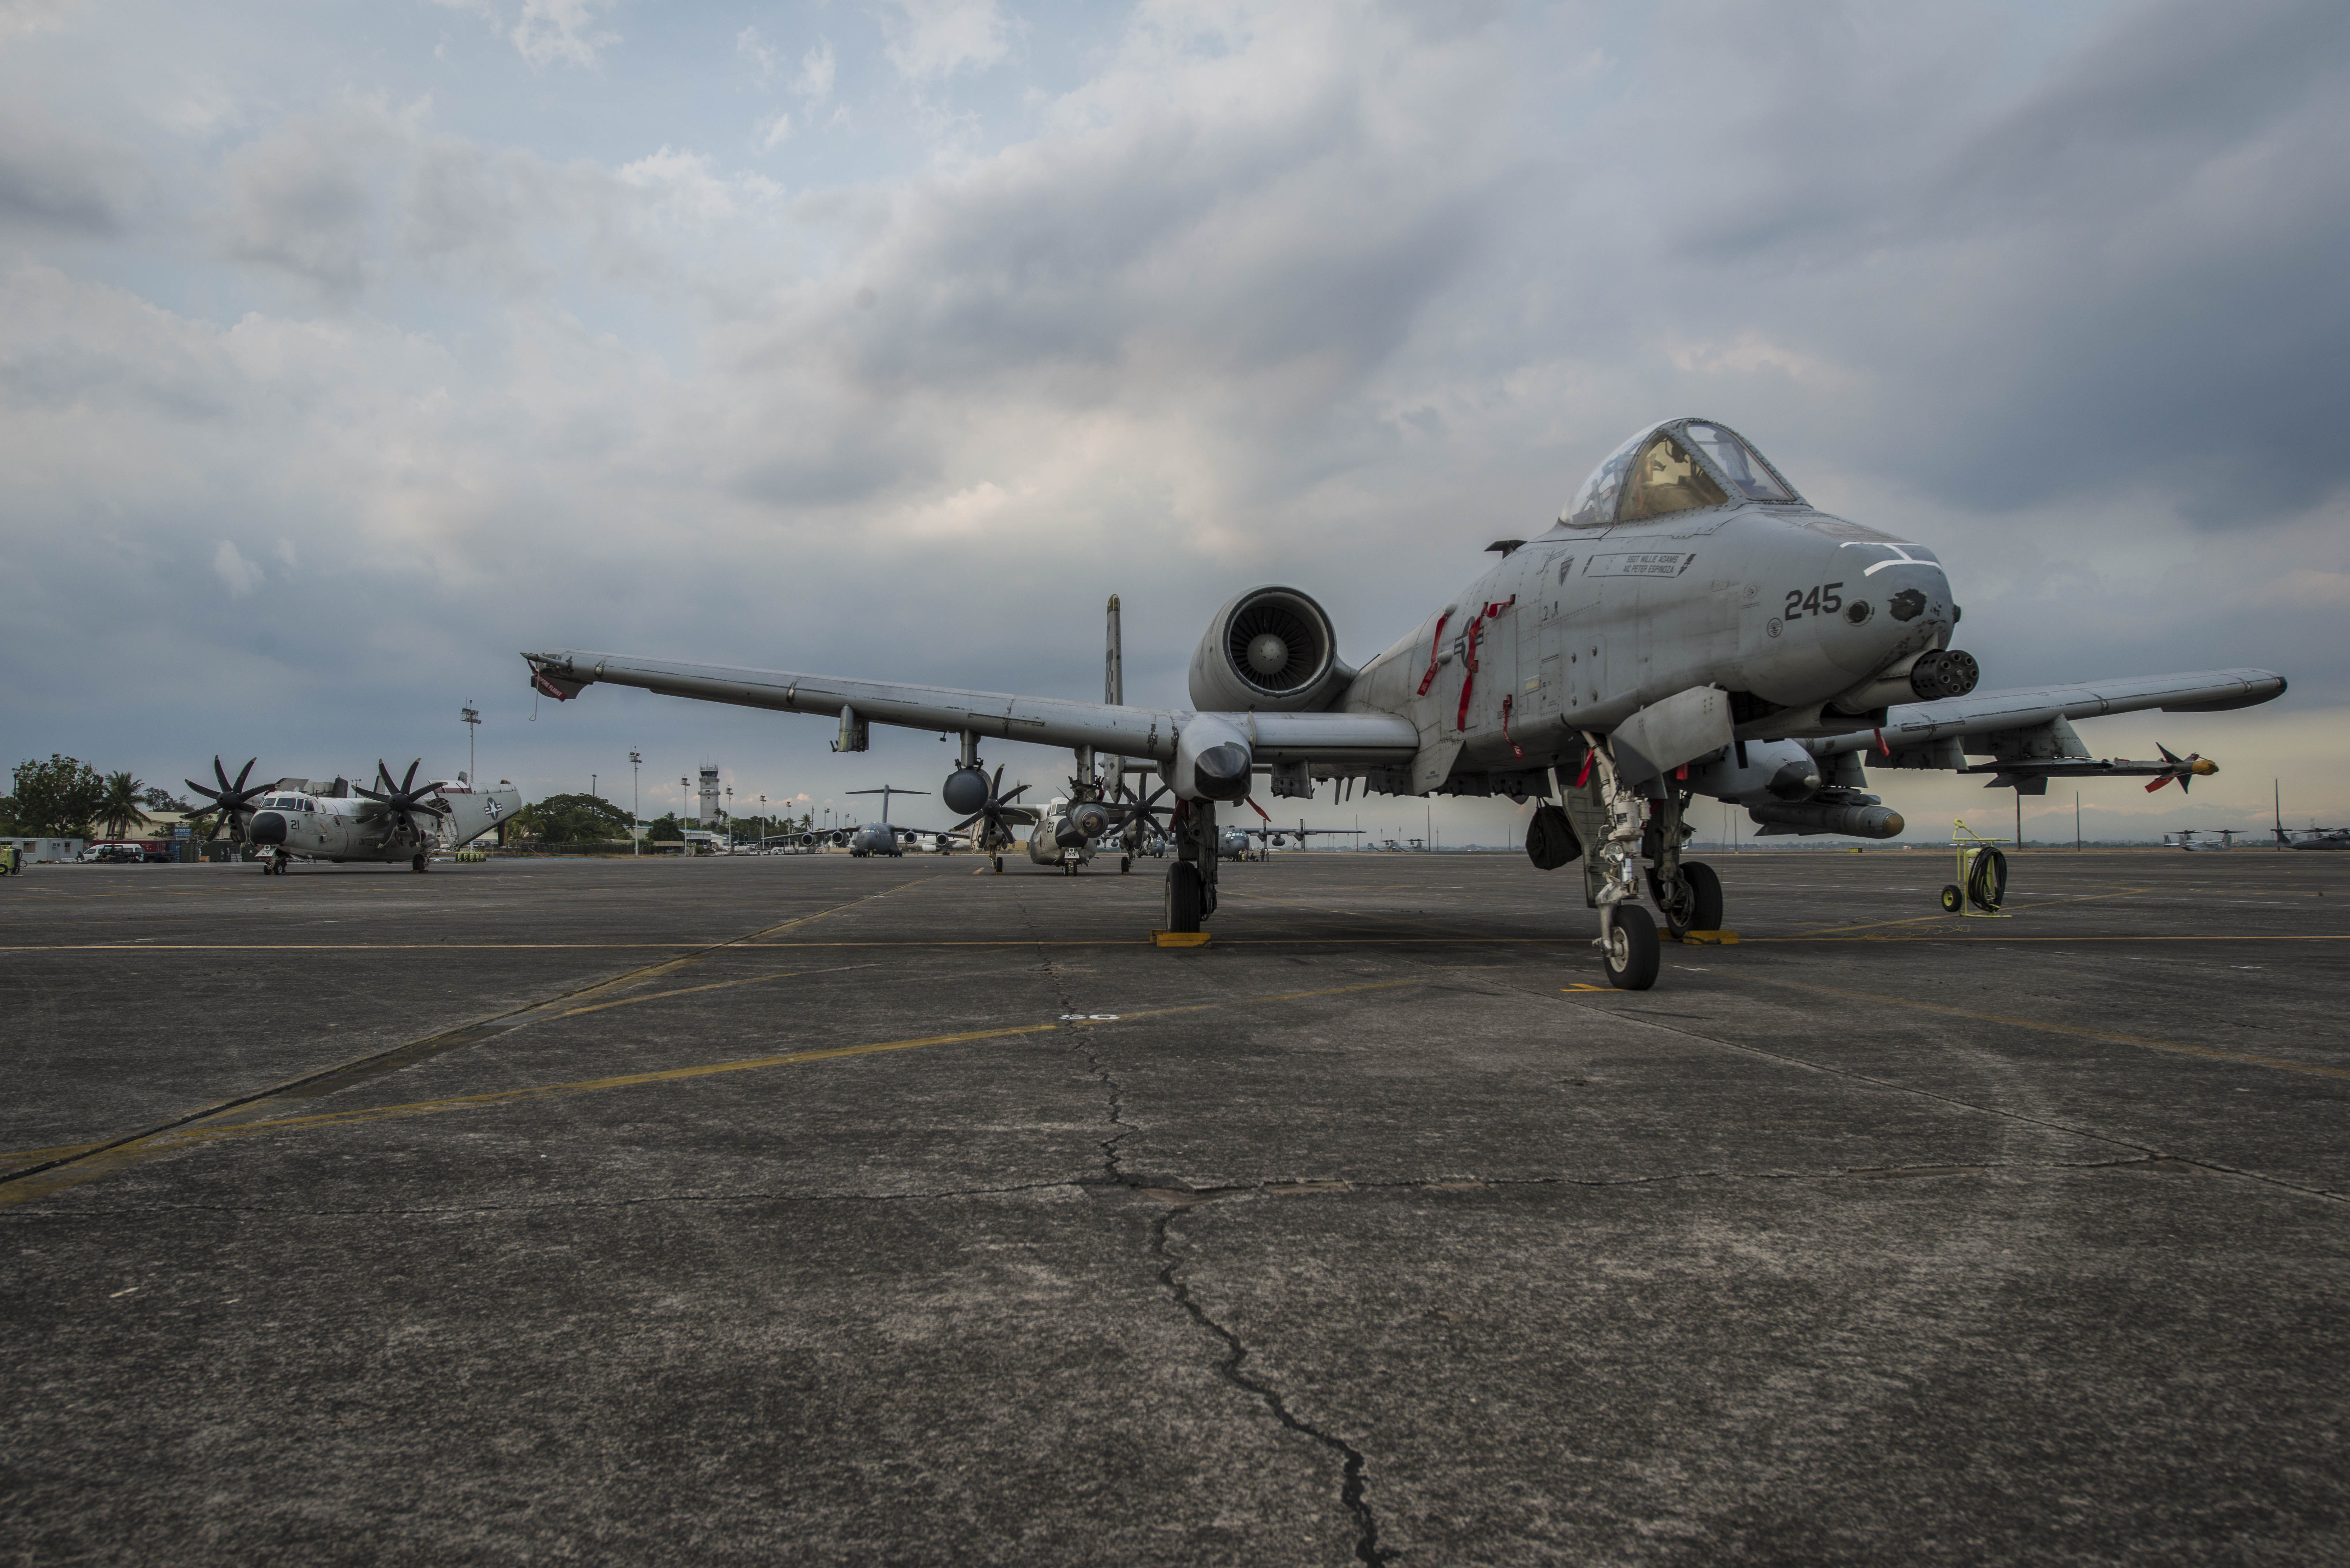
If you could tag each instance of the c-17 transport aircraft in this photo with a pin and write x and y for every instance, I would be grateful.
(337, 821)
(1690, 625)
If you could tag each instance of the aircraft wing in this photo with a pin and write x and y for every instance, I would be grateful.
(1044, 721)
(1918, 730)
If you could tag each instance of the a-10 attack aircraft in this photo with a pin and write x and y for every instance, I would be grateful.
(333, 820)
(1690, 626)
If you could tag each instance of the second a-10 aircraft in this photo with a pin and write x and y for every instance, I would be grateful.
(1690, 627)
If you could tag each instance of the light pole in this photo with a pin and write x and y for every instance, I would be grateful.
(636, 838)
(686, 843)
(473, 717)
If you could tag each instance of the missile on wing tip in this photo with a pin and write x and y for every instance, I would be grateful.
(1852, 820)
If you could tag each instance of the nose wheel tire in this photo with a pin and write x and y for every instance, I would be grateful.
(418, 864)
(998, 862)
(1125, 864)
(1183, 897)
(1630, 957)
(1952, 898)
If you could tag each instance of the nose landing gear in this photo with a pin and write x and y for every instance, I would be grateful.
(1631, 953)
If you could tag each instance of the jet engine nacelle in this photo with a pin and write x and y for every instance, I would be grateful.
(1268, 651)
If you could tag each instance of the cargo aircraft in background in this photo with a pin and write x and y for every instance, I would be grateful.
(333, 820)
(1690, 627)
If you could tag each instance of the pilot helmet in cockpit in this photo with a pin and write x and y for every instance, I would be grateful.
(1678, 466)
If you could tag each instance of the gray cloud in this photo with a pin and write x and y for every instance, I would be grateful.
(2124, 276)
(58, 182)
(1330, 298)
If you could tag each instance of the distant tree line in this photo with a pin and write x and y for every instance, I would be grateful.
(65, 797)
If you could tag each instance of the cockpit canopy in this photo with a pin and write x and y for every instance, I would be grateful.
(1678, 466)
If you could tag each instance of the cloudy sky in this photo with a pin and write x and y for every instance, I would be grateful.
(348, 348)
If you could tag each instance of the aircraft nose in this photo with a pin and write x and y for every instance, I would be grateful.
(266, 827)
(1881, 616)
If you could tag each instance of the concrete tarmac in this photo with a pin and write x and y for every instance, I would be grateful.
(856, 1211)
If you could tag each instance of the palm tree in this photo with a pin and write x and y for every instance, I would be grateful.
(119, 811)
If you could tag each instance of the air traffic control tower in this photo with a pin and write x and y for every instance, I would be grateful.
(709, 813)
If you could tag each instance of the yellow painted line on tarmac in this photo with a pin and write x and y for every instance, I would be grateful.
(2004, 937)
(1945, 915)
(35, 1156)
(2175, 1047)
(742, 944)
(83, 1162)
(1351, 914)
(136, 1151)
(713, 985)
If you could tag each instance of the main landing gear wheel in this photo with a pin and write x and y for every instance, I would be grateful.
(1699, 906)
(997, 860)
(1952, 898)
(417, 865)
(1630, 957)
(1183, 900)
(1125, 864)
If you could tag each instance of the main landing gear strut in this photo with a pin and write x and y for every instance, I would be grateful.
(1191, 880)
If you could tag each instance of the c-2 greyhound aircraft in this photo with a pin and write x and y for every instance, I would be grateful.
(1691, 626)
(337, 821)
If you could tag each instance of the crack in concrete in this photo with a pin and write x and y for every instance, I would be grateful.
(1351, 1488)
(1094, 1064)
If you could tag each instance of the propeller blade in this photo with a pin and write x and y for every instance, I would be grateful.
(1016, 795)
(408, 784)
(242, 774)
(996, 784)
(966, 822)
